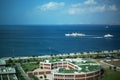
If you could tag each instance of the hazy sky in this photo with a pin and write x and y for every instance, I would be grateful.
(59, 12)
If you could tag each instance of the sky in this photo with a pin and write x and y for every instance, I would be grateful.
(40, 12)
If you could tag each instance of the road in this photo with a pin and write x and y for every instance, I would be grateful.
(22, 71)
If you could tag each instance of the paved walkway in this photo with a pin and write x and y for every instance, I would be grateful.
(107, 65)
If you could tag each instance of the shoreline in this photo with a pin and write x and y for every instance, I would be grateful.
(64, 54)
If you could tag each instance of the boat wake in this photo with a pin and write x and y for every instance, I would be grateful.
(98, 37)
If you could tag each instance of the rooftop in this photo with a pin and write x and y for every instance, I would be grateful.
(83, 65)
(64, 70)
(54, 60)
(89, 68)
(7, 70)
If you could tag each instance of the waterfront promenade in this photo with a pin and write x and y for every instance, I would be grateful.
(65, 54)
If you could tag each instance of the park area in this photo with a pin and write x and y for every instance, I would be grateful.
(30, 66)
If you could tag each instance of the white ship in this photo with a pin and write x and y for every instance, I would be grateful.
(108, 35)
(75, 34)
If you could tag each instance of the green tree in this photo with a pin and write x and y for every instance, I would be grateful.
(45, 76)
(41, 77)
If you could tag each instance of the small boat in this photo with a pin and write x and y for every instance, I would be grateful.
(75, 34)
(108, 36)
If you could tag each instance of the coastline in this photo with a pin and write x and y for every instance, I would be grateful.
(31, 63)
(63, 55)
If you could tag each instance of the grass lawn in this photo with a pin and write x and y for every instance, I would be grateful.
(111, 75)
(29, 66)
(90, 68)
(63, 70)
(55, 60)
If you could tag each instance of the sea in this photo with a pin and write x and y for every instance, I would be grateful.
(39, 40)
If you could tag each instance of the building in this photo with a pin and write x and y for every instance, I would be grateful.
(69, 69)
(7, 73)
(2, 63)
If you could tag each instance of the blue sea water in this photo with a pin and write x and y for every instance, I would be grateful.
(29, 40)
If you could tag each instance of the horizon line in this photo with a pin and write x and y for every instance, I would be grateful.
(54, 24)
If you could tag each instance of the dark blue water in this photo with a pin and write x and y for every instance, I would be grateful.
(41, 40)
